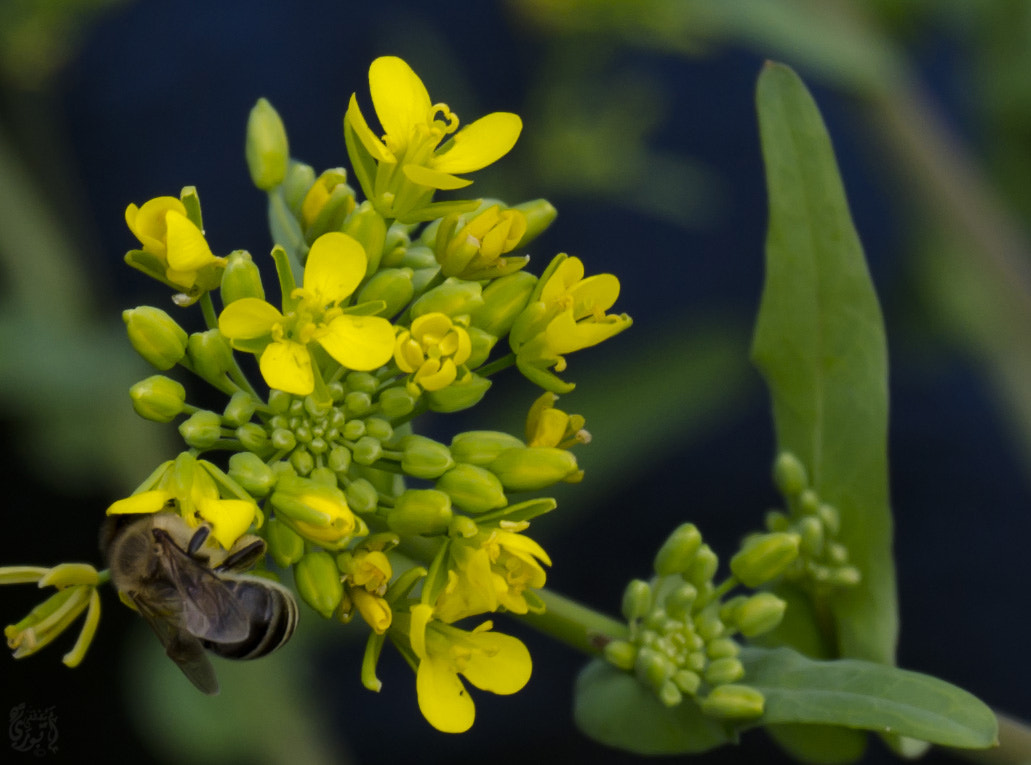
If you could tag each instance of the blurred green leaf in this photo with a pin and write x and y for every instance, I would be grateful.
(819, 343)
(867, 695)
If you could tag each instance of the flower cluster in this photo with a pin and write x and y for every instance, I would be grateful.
(823, 562)
(390, 304)
(681, 640)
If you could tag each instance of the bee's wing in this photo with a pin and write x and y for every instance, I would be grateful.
(180, 646)
(210, 608)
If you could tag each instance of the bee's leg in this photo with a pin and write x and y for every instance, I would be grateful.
(246, 556)
(200, 536)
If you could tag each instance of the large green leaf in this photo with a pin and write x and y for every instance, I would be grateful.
(867, 695)
(819, 342)
(613, 707)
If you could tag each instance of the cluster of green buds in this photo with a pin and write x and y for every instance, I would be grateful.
(682, 626)
(388, 307)
(823, 561)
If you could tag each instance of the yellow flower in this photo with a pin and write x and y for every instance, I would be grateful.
(180, 254)
(548, 426)
(400, 171)
(316, 511)
(432, 351)
(490, 661)
(474, 251)
(492, 569)
(187, 483)
(568, 315)
(336, 265)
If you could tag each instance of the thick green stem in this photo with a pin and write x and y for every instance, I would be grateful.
(496, 366)
(1014, 745)
(575, 624)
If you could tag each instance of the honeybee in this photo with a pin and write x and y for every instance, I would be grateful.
(190, 592)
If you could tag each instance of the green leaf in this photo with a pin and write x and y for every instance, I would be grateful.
(612, 707)
(819, 343)
(867, 695)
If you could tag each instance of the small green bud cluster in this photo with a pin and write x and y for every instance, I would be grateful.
(823, 561)
(681, 640)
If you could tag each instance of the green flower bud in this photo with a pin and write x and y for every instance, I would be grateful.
(687, 681)
(316, 511)
(652, 668)
(669, 694)
(327, 203)
(420, 512)
(708, 624)
(156, 336)
(473, 489)
(419, 258)
(240, 409)
(533, 467)
(540, 214)
(424, 458)
(722, 648)
(775, 520)
(367, 450)
(733, 702)
(808, 502)
(241, 278)
(210, 355)
(396, 402)
(298, 181)
(252, 436)
(362, 496)
(725, 670)
(677, 553)
(279, 401)
(283, 440)
(830, 518)
(302, 461)
(339, 459)
(379, 428)
(158, 398)
(368, 227)
(789, 475)
(764, 557)
(482, 447)
(811, 530)
(466, 392)
(354, 429)
(357, 403)
(637, 600)
(680, 602)
(703, 567)
(201, 430)
(758, 614)
(503, 300)
(251, 472)
(455, 297)
(266, 147)
(284, 544)
(621, 654)
(482, 344)
(391, 285)
(318, 582)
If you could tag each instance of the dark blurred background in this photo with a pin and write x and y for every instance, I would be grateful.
(640, 128)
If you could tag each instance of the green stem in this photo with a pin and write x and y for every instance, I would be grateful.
(574, 624)
(208, 309)
(496, 366)
(1014, 745)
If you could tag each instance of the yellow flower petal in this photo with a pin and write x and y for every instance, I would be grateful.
(595, 294)
(360, 343)
(248, 318)
(144, 502)
(399, 97)
(565, 335)
(370, 141)
(286, 366)
(434, 179)
(148, 222)
(443, 699)
(522, 547)
(569, 272)
(229, 518)
(499, 663)
(187, 248)
(480, 143)
(336, 265)
(421, 615)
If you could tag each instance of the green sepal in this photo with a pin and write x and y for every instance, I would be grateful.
(521, 511)
(286, 231)
(191, 201)
(466, 392)
(437, 576)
